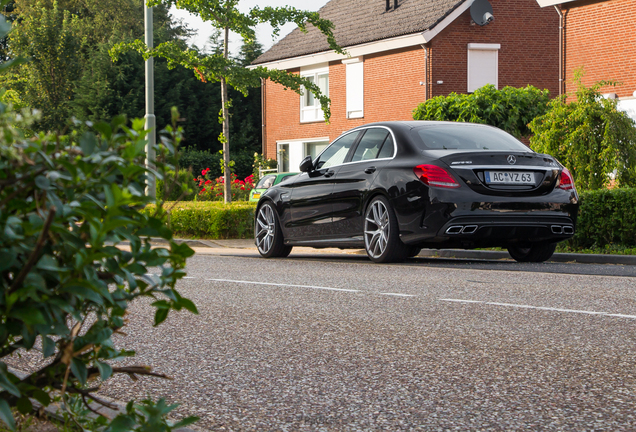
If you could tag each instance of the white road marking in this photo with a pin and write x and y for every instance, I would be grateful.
(607, 314)
(283, 285)
(189, 277)
(397, 294)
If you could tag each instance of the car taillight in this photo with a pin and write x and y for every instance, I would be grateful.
(432, 175)
(566, 182)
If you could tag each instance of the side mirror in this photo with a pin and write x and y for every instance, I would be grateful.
(306, 165)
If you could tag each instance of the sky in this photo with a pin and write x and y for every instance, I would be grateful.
(263, 31)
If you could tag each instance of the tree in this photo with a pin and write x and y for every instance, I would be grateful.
(590, 136)
(69, 71)
(48, 37)
(510, 108)
(224, 15)
(66, 203)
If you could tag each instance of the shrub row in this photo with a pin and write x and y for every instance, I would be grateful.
(211, 220)
(606, 217)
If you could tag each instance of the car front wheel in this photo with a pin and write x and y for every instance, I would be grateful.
(268, 235)
(532, 252)
(381, 234)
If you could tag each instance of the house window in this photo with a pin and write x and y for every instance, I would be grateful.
(310, 109)
(313, 149)
(355, 87)
(291, 153)
(283, 157)
(483, 65)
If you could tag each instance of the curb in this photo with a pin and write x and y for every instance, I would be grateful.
(557, 257)
(434, 253)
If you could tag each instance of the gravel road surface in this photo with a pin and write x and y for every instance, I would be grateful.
(343, 344)
(331, 342)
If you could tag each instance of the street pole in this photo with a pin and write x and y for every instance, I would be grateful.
(151, 182)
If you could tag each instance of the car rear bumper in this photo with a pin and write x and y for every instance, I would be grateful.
(488, 224)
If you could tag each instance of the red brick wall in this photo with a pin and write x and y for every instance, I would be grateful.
(529, 38)
(601, 37)
(391, 91)
(529, 55)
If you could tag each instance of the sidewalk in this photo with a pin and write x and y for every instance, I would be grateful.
(439, 253)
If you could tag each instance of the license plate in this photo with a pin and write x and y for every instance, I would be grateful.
(510, 177)
(256, 196)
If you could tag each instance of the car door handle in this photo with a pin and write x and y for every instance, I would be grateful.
(329, 173)
(370, 170)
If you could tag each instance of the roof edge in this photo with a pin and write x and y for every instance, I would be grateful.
(445, 21)
(544, 3)
(352, 51)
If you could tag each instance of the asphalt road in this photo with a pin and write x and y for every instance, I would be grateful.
(332, 342)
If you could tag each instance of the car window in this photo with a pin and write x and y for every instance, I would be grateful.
(466, 137)
(370, 144)
(336, 153)
(266, 182)
(388, 148)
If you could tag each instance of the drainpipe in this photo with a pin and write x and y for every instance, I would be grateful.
(427, 60)
(560, 49)
(263, 134)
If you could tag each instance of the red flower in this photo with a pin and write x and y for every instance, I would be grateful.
(203, 190)
(242, 187)
(207, 182)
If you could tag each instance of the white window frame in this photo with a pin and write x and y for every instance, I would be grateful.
(297, 150)
(475, 47)
(354, 68)
(313, 113)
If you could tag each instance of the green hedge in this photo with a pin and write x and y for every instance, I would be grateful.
(606, 217)
(211, 220)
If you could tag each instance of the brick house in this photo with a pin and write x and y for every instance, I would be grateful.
(600, 36)
(401, 53)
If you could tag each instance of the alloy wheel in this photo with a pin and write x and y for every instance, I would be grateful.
(376, 229)
(265, 229)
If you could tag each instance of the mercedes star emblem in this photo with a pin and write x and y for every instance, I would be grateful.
(512, 160)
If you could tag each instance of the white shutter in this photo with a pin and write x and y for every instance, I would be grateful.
(482, 65)
(355, 89)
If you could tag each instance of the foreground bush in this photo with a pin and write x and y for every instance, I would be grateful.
(606, 217)
(211, 220)
(66, 202)
(182, 186)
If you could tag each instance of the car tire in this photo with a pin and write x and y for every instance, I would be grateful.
(381, 233)
(413, 251)
(532, 252)
(268, 234)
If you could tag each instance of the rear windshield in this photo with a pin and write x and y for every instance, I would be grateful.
(465, 137)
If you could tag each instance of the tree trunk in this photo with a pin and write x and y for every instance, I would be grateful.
(227, 175)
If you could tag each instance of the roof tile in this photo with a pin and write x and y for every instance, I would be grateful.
(362, 21)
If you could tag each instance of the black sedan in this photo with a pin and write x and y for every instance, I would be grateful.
(396, 187)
